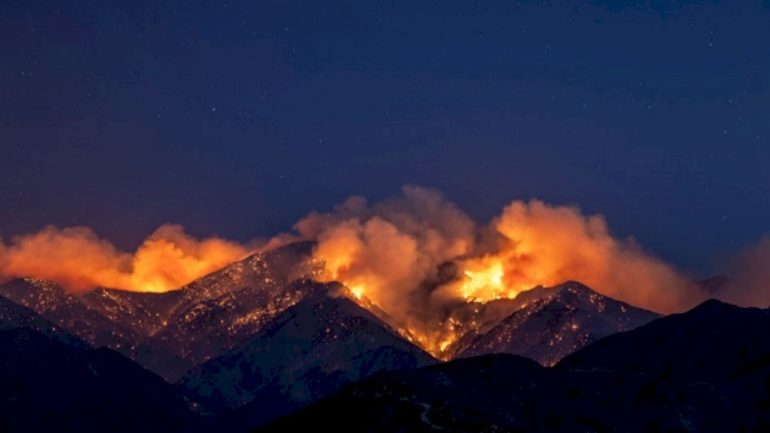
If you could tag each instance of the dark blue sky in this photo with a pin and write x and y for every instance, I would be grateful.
(238, 118)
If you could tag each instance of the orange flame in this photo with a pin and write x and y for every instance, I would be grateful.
(386, 253)
(392, 255)
(483, 280)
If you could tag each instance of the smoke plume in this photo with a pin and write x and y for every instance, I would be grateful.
(414, 256)
(79, 260)
(540, 244)
(385, 254)
(749, 284)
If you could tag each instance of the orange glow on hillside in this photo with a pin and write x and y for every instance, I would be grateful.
(414, 259)
(390, 255)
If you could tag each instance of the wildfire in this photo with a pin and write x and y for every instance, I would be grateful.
(391, 255)
(357, 292)
(484, 283)
(415, 259)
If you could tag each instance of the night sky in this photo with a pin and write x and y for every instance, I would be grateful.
(238, 118)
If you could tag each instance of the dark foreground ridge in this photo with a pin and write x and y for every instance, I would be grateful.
(48, 383)
(707, 370)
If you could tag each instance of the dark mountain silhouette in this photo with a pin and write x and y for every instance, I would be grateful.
(707, 370)
(714, 340)
(52, 381)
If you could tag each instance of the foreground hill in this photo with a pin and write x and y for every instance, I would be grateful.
(714, 339)
(51, 381)
(707, 370)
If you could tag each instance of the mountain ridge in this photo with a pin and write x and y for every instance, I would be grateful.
(306, 352)
(624, 382)
(552, 322)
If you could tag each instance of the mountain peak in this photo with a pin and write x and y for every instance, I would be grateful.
(713, 304)
(557, 321)
(309, 350)
(573, 285)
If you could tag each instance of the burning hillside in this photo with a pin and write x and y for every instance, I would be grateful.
(415, 259)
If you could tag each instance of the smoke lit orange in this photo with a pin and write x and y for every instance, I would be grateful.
(389, 255)
(78, 259)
